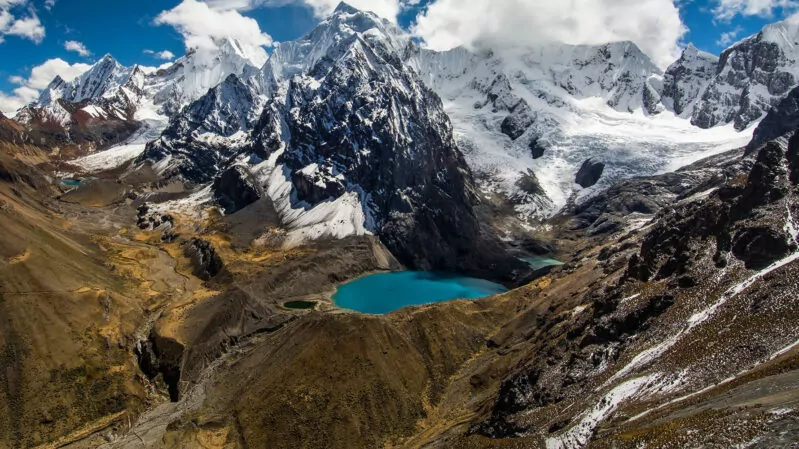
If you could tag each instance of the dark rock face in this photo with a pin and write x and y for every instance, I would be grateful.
(229, 108)
(161, 358)
(206, 262)
(530, 185)
(753, 65)
(784, 118)
(313, 188)
(536, 149)
(236, 189)
(793, 158)
(589, 173)
(517, 123)
(767, 181)
(685, 80)
(759, 247)
(651, 100)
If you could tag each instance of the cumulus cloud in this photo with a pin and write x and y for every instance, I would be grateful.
(166, 55)
(29, 27)
(9, 3)
(77, 47)
(43, 74)
(39, 78)
(729, 37)
(728, 9)
(654, 25)
(203, 27)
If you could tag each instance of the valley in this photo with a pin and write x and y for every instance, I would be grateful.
(360, 242)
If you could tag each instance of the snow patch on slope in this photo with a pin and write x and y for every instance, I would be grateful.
(153, 124)
(336, 219)
(579, 435)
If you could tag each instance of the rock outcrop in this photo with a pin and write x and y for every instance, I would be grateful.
(589, 173)
(752, 77)
(236, 188)
(205, 261)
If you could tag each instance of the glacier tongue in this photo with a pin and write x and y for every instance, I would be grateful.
(153, 124)
(549, 109)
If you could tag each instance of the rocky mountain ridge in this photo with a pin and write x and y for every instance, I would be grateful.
(352, 131)
(515, 111)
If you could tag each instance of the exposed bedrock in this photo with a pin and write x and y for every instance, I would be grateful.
(160, 356)
(206, 263)
(236, 188)
(590, 173)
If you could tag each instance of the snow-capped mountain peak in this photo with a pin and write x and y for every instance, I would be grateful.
(345, 24)
(686, 80)
(752, 76)
(105, 75)
(784, 33)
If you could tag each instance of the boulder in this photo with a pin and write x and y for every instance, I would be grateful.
(590, 173)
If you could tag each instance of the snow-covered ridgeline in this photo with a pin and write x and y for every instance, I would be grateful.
(339, 218)
(521, 116)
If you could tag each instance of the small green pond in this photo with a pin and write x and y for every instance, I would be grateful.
(300, 305)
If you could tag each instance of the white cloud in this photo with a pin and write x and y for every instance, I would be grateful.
(729, 37)
(9, 104)
(77, 47)
(166, 55)
(39, 78)
(203, 27)
(654, 25)
(9, 3)
(728, 9)
(29, 27)
(43, 74)
(5, 22)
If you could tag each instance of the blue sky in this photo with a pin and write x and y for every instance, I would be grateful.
(127, 29)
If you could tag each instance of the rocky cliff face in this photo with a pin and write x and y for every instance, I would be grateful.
(687, 79)
(207, 132)
(781, 121)
(752, 77)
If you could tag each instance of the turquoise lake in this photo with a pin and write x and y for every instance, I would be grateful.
(537, 263)
(72, 182)
(379, 294)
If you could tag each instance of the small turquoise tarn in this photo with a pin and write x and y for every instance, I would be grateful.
(386, 292)
(72, 182)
